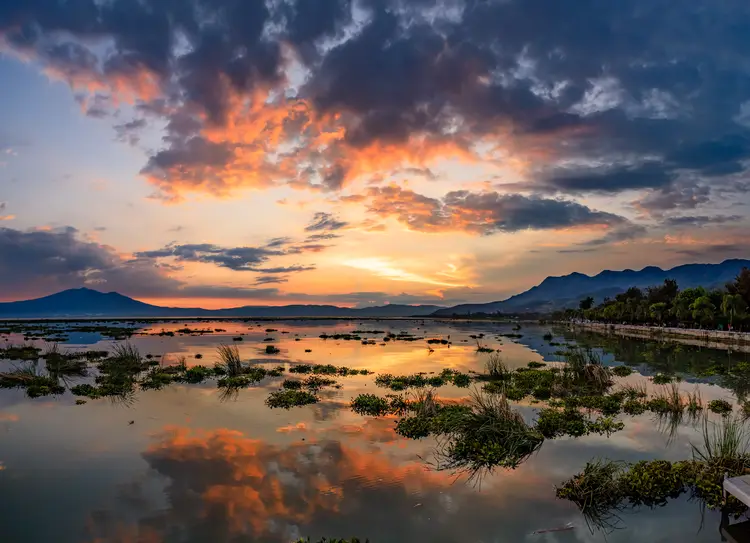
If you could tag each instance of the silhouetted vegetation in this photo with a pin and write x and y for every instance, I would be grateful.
(666, 304)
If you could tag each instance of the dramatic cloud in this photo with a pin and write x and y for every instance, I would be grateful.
(234, 258)
(45, 261)
(325, 222)
(702, 220)
(40, 262)
(484, 212)
(606, 97)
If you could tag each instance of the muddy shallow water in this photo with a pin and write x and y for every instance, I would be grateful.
(181, 465)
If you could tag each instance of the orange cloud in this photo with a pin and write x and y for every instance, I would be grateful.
(250, 482)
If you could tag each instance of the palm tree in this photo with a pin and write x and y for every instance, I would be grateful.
(703, 309)
(731, 305)
(658, 310)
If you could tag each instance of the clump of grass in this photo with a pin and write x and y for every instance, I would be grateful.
(157, 378)
(552, 423)
(622, 371)
(662, 379)
(86, 390)
(720, 407)
(694, 402)
(605, 486)
(605, 426)
(286, 399)
(234, 382)
(229, 360)
(255, 374)
(634, 407)
(402, 382)
(635, 391)
(597, 490)
(461, 380)
(197, 374)
(488, 433)
(80, 402)
(536, 365)
(270, 349)
(127, 356)
(496, 368)
(315, 382)
(370, 404)
(291, 384)
(301, 368)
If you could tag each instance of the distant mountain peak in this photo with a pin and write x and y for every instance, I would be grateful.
(566, 291)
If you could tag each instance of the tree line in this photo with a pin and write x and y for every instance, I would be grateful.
(665, 304)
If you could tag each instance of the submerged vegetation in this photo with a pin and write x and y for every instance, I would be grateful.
(605, 487)
(287, 398)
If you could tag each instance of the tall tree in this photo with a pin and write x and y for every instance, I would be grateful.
(586, 303)
(733, 305)
(703, 310)
(741, 285)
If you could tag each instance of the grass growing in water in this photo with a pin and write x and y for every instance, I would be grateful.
(229, 360)
(622, 371)
(370, 404)
(605, 487)
(286, 399)
(721, 407)
(489, 433)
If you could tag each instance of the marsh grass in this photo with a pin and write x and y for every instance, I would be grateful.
(634, 391)
(622, 371)
(286, 399)
(722, 444)
(316, 382)
(229, 360)
(487, 434)
(662, 379)
(496, 368)
(604, 488)
(597, 490)
(694, 403)
(720, 407)
(370, 404)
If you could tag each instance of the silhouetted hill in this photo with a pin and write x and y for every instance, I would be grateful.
(84, 302)
(566, 291)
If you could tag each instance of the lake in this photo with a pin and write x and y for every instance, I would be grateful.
(187, 463)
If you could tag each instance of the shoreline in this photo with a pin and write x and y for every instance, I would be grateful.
(715, 339)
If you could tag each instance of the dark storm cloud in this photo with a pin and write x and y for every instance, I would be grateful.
(37, 262)
(270, 279)
(711, 252)
(675, 196)
(325, 222)
(611, 181)
(702, 220)
(633, 93)
(484, 212)
(40, 262)
(129, 132)
(234, 258)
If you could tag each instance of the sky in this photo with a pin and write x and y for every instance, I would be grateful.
(235, 152)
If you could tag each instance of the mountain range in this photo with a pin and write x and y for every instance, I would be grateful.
(85, 302)
(551, 294)
(566, 291)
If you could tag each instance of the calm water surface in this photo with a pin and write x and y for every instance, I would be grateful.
(193, 468)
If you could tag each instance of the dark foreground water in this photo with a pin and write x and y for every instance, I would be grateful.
(181, 465)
